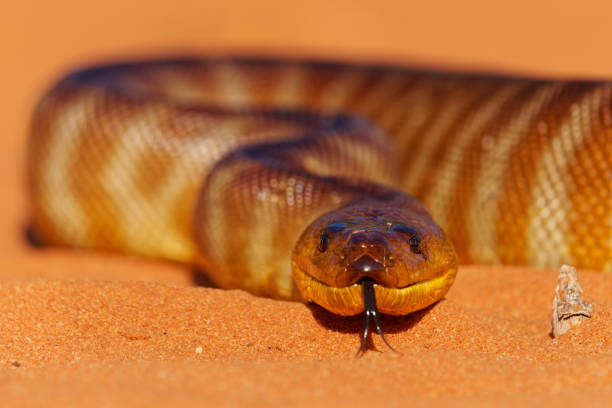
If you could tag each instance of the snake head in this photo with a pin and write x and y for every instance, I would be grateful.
(393, 243)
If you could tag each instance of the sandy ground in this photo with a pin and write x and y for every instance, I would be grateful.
(83, 329)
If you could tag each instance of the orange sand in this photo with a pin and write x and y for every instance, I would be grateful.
(85, 329)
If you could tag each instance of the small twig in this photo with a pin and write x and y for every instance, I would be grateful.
(568, 307)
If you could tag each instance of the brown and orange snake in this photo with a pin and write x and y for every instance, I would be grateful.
(283, 178)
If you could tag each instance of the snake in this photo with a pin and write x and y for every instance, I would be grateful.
(358, 187)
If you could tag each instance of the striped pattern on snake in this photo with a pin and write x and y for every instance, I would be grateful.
(228, 163)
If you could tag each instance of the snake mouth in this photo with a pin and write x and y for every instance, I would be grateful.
(349, 300)
(397, 301)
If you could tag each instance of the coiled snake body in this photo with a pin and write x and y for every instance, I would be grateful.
(284, 178)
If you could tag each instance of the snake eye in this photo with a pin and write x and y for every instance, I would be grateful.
(414, 242)
(415, 239)
(330, 229)
(324, 243)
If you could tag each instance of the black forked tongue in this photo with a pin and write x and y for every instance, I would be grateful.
(370, 310)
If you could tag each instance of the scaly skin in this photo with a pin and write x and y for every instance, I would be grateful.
(239, 166)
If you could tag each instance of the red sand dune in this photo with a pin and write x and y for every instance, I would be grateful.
(83, 329)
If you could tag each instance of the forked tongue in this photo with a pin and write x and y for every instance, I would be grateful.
(370, 310)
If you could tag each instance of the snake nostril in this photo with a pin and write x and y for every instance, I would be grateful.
(367, 256)
(372, 245)
(366, 265)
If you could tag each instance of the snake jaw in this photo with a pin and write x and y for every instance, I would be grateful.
(346, 301)
(349, 300)
(370, 310)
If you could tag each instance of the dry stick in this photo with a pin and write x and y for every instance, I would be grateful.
(568, 307)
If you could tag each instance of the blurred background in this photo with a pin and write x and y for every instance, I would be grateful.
(42, 39)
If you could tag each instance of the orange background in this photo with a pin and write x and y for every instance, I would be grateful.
(43, 39)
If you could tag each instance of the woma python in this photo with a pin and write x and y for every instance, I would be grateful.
(290, 179)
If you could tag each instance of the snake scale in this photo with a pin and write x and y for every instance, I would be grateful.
(290, 179)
